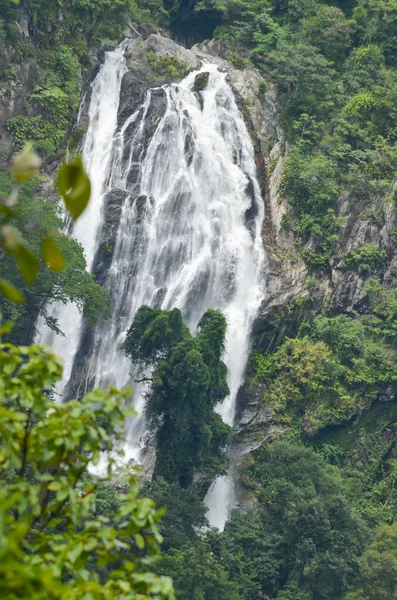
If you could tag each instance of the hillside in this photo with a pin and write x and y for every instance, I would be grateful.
(236, 267)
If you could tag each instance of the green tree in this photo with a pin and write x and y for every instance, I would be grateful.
(328, 30)
(197, 575)
(49, 532)
(251, 554)
(184, 512)
(322, 538)
(378, 568)
(327, 376)
(189, 380)
(376, 23)
(305, 80)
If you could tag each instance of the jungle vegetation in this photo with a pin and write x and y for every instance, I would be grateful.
(322, 523)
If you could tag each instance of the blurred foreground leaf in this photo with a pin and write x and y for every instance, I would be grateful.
(52, 255)
(11, 292)
(26, 164)
(74, 186)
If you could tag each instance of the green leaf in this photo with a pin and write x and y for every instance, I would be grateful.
(52, 255)
(74, 186)
(11, 292)
(26, 164)
(140, 542)
(28, 263)
(54, 486)
(75, 552)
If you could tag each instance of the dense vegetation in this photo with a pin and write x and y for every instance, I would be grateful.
(323, 493)
(56, 542)
(188, 381)
(38, 218)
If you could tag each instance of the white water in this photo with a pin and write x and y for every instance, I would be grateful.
(184, 239)
(97, 152)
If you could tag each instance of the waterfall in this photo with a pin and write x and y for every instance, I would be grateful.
(97, 153)
(179, 174)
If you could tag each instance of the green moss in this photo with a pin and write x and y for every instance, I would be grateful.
(272, 165)
(168, 67)
(239, 62)
(366, 259)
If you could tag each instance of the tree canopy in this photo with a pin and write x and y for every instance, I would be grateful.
(53, 543)
(188, 381)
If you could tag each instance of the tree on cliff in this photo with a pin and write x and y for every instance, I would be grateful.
(188, 381)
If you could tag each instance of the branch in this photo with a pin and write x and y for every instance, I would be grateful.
(143, 380)
(132, 28)
(28, 429)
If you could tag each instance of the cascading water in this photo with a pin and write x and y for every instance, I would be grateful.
(189, 232)
(97, 153)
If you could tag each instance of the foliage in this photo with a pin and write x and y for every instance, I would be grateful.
(330, 31)
(43, 265)
(55, 102)
(168, 67)
(187, 20)
(304, 79)
(310, 187)
(184, 512)
(376, 23)
(251, 553)
(49, 531)
(326, 376)
(188, 381)
(378, 572)
(304, 541)
(197, 575)
(365, 259)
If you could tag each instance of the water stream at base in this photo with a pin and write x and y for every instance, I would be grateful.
(190, 230)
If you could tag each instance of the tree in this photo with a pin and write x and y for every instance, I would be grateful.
(329, 30)
(376, 23)
(184, 512)
(378, 571)
(52, 543)
(304, 79)
(251, 554)
(327, 376)
(302, 502)
(188, 381)
(41, 219)
(190, 23)
(197, 575)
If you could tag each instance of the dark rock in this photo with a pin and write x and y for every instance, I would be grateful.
(189, 147)
(113, 206)
(156, 111)
(82, 379)
(134, 85)
(252, 212)
(103, 50)
(200, 82)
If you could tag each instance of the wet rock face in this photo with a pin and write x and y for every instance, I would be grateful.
(113, 206)
(200, 82)
(140, 132)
